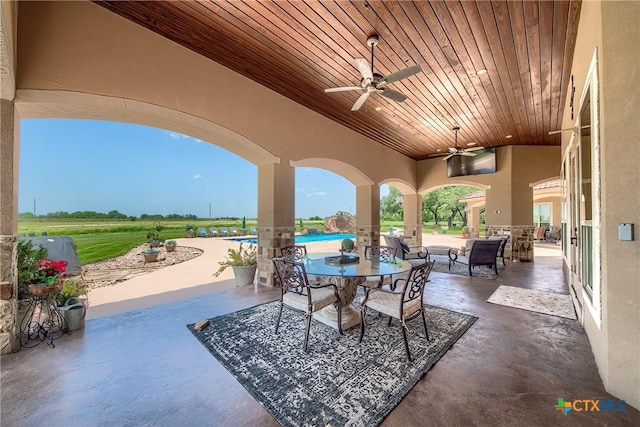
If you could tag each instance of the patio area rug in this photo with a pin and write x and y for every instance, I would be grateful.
(483, 272)
(537, 301)
(339, 382)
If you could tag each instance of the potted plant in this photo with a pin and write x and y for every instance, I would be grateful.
(170, 245)
(150, 255)
(465, 232)
(190, 229)
(70, 304)
(243, 261)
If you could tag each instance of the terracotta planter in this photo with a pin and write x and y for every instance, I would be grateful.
(170, 248)
(154, 244)
(150, 257)
(190, 234)
(244, 274)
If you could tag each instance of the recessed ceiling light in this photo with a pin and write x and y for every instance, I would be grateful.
(481, 72)
(439, 150)
(378, 108)
(470, 144)
(508, 136)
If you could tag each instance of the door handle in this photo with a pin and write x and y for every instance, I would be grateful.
(574, 241)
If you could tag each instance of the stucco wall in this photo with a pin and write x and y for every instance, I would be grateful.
(508, 189)
(104, 54)
(612, 29)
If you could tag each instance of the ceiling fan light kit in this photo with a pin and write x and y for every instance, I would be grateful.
(372, 82)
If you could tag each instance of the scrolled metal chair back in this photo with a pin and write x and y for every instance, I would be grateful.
(417, 281)
(291, 275)
(382, 253)
(294, 252)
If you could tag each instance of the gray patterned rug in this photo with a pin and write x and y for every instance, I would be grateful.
(537, 301)
(442, 266)
(338, 382)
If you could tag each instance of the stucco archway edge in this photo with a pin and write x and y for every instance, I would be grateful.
(75, 105)
(349, 172)
(402, 186)
(453, 184)
(542, 181)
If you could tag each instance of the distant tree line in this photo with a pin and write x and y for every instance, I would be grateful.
(109, 215)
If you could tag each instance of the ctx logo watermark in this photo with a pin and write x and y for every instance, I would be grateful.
(590, 405)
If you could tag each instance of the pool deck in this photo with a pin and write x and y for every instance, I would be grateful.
(195, 277)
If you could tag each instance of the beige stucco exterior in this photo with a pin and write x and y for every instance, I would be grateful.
(77, 60)
(610, 31)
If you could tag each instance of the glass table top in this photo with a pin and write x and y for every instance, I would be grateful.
(316, 263)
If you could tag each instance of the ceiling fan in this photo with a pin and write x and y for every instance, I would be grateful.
(373, 82)
(459, 151)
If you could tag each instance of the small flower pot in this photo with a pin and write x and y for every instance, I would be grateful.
(150, 257)
(170, 248)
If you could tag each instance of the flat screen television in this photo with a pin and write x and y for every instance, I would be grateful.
(483, 162)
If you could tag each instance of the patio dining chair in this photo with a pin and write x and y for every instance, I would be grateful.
(379, 254)
(297, 252)
(403, 304)
(299, 295)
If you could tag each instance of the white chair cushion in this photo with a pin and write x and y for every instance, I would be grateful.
(320, 298)
(389, 304)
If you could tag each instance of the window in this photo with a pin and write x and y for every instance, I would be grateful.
(542, 215)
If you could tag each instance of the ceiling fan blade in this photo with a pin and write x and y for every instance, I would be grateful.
(360, 101)
(342, 89)
(392, 94)
(449, 156)
(365, 69)
(474, 149)
(402, 74)
(453, 150)
(466, 153)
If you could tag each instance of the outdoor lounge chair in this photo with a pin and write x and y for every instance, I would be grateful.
(299, 295)
(403, 304)
(224, 232)
(233, 231)
(253, 230)
(483, 252)
(213, 232)
(202, 232)
(415, 255)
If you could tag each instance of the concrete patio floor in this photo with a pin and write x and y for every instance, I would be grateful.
(143, 367)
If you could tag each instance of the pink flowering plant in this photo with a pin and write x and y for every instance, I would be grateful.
(48, 274)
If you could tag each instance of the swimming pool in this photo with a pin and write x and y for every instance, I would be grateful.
(306, 238)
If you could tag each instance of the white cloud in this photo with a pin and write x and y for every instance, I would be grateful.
(317, 193)
(299, 190)
(178, 136)
(197, 176)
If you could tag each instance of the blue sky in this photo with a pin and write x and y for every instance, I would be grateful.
(85, 165)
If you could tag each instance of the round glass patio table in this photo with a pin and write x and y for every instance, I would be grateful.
(347, 277)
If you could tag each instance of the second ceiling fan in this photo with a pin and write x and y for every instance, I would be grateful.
(374, 82)
(458, 151)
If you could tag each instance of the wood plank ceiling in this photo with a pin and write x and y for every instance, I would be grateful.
(299, 48)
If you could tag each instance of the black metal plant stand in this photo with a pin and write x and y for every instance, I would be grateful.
(42, 322)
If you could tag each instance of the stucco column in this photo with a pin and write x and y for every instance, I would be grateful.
(8, 225)
(473, 221)
(412, 204)
(276, 215)
(509, 211)
(367, 216)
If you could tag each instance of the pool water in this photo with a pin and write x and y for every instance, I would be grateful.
(307, 238)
